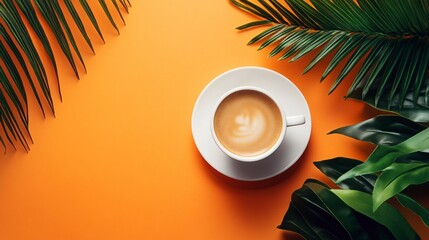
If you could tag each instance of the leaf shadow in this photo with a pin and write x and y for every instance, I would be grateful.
(286, 235)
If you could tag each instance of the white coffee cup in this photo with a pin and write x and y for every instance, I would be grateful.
(253, 113)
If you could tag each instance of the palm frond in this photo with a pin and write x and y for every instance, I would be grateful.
(387, 40)
(18, 52)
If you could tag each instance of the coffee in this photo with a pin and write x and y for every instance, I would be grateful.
(248, 123)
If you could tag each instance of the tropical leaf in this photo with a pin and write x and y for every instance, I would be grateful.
(316, 213)
(414, 106)
(334, 168)
(17, 43)
(383, 156)
(385, 214)
(414, 206)
(396, 178)
(382, 130)
(388, 42)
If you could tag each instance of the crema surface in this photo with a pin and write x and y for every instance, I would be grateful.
(248, 123)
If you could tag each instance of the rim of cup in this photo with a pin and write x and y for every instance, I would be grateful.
(264, 154)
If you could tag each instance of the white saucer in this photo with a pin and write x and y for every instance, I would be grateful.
(289, 97)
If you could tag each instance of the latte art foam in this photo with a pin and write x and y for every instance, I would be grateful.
(248, 123)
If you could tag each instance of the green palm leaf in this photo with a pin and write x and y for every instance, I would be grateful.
(387, 40)
(414, 105)
(17, 51)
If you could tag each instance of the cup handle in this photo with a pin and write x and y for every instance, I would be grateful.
(295, 120)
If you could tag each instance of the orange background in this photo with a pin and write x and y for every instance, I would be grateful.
(118, 161)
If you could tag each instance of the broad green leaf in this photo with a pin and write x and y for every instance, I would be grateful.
(346, 217)
(383, 156)
(316, 213)
(334, 168)
(382, 130)
(396, 178)
(414, 206)
(385, 214)
(318, 216)
(379, 159)
(417, 157)
(295, 222)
